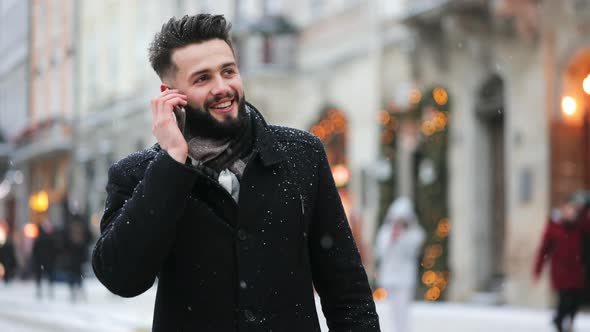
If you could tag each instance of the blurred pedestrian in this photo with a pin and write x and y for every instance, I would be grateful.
(584, 198)
(399, 241)
(562, 245)
(238, 219)
(77, 240)
(44, 258)
(7, 260)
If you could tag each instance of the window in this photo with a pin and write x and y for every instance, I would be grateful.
(267, 50)
(113, 45)
(272, 7)
(316, 7)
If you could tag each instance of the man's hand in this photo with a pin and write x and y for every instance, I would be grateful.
(164, 126)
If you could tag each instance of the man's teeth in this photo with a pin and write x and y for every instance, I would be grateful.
(224, 105)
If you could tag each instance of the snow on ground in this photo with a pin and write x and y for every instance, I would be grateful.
(102, 311)
(20, 311)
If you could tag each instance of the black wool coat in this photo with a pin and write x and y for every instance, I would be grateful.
(224, 266)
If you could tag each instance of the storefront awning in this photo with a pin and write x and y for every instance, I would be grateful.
(42, 148)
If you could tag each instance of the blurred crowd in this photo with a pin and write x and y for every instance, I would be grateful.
(59, 254)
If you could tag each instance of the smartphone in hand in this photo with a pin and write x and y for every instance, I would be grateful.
(180, 115)
(179, 112)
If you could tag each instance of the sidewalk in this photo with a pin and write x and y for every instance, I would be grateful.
(106, 312)
(465, 317)
(101, 312)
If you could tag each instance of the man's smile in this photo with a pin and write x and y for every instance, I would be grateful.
(224, 106)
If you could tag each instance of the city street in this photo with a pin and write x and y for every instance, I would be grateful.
(20, 311)
(452, 136)
(101, 312)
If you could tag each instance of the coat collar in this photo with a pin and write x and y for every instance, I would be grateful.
(264, 141)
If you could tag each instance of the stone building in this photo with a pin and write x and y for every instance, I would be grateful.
(14, 86)
(517, 147)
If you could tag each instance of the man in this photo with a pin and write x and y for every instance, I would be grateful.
(237, 219)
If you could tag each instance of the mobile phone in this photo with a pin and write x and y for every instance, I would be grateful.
(180, 115)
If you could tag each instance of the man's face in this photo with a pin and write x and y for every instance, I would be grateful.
(208, 75)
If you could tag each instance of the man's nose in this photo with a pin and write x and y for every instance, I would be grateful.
(220, 87)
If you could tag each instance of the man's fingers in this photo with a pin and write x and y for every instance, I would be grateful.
(161, 101)
(164, 112)
(172, 96)
(175, 101)
(167, 94)
(162, 106)
(168, 105)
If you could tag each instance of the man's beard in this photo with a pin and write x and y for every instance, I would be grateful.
(200, 122)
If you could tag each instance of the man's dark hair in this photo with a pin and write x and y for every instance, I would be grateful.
(177, 33)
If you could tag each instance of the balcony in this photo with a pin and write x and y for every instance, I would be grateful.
(266, 46)
(43, 139)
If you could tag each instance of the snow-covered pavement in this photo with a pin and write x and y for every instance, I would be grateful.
(20, 311)
(101, 312)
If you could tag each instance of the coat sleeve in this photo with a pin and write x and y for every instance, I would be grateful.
(139, 224)
(337, 271)
(544, 251)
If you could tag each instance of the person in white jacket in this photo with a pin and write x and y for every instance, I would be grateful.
(399, 243)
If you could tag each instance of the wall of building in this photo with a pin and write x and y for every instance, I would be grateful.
(14, 51)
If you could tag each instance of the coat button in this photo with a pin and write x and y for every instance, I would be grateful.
(249, 315)
(242, 234)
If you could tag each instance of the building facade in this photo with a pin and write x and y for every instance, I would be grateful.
(44, 148)
(14, 87)
(514, 152)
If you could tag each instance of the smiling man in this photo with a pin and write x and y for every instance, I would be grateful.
(238, 219)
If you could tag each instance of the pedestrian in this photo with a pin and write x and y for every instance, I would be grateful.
(585, 224)
(44, 258)
(237, 219)
(562, 245)
(399, 242)
(76, 242)
(7, 260)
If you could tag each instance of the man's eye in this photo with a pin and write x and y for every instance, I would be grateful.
(229, 71)
(202, 79)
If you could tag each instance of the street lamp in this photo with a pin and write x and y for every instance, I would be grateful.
(39, 202)
(31, 231)
(568, 105)
(341, 175)
(3, 236)
(586, 84)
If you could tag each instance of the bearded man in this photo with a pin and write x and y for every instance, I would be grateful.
(239, 220)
